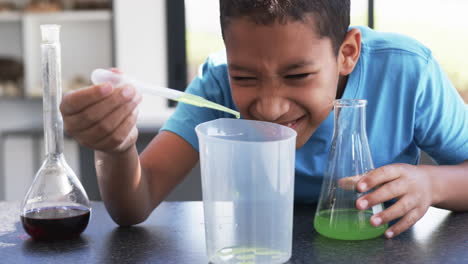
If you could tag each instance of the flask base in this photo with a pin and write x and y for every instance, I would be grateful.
(347, 224)
(55, 223)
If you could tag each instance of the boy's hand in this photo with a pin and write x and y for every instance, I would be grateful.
(408, 183)
(102, 117)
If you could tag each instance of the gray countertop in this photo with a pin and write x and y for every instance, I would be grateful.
(174, 233)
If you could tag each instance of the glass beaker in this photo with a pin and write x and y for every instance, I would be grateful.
(56, 205)
(349, 159)
(247, 170)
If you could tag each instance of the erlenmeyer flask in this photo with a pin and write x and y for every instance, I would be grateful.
(349, 159)
(56, 205)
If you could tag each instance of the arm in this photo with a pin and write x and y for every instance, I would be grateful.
(449, 192)
(132, 187)
(104, 118)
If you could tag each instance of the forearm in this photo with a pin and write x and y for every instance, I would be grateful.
(123, 186)
(449, 186)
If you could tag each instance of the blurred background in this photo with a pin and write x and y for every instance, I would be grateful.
(162, 42)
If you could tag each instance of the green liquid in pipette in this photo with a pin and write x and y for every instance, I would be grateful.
(347, 224)
(202, 102)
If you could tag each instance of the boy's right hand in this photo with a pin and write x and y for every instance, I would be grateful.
(102, 117)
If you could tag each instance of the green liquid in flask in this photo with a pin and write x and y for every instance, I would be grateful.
(347, 224)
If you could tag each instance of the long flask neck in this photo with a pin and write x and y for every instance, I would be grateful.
(51, 82)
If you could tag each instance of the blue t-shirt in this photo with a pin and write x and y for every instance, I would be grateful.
(411, 106)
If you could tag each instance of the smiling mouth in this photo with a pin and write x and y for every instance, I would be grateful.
(293, 124)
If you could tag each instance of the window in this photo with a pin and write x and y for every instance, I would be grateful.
(203, 32)
(359, 12)
(441, 25)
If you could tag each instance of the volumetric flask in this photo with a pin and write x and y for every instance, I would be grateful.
(56, 205)
(349, 159)
(247, 170)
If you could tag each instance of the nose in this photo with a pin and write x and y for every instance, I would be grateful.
(271, 108)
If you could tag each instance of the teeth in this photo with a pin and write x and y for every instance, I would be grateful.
(290, 124)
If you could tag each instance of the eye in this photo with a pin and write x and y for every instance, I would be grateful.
(242, 78)
(297, 76)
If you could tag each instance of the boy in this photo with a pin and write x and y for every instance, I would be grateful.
(285, 62)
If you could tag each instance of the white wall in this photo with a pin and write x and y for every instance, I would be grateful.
(140, 35)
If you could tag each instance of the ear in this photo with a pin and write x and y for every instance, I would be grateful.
(349, 52)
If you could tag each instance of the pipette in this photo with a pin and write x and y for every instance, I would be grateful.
(99, 76)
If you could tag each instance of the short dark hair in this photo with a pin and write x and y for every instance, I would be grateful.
(332, 16)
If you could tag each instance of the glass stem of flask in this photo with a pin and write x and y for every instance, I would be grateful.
(52, 85)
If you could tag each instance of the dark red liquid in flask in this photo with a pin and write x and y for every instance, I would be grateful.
(54, 223)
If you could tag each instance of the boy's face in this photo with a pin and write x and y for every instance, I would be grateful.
(282, 73)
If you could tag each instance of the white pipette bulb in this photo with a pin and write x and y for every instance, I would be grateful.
(99, 76)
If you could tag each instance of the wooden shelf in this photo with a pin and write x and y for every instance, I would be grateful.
(10, 16)
(97, 15)
(19, 98)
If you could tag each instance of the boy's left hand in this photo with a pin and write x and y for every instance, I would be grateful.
(410, 184)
